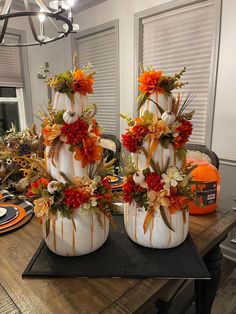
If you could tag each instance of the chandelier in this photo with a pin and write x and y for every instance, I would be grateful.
(57, 14)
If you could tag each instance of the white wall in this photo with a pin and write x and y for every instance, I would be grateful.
(224, 131)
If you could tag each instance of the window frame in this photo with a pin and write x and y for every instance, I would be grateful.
(138, 53)
(93, 31)
(23, 94)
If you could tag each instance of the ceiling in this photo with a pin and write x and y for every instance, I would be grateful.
(79, 5)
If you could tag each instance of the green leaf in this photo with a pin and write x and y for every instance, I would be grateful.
(165, 219)
(59, 117)
(165, 141)
(47, 225)
(141, 100)
(159, 107)
(181, 153)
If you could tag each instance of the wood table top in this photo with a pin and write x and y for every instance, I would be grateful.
(79, 295)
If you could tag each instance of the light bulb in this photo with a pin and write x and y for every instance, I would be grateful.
(41, 16)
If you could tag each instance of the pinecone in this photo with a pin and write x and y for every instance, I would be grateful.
(16, 176)
(24, 149)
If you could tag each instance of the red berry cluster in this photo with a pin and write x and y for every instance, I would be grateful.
(75, 132)
(74, 198)
(153, 181)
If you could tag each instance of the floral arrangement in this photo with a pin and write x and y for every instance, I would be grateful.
(17, 151)
(170, 188)
(81, 133)
(173, 127)
(155, 187)
(50, 196)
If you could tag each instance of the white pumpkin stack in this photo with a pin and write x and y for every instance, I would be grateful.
(158, 235)
(82, 234)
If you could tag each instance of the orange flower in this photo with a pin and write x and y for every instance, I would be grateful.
(50, 133)
(95, 128)
(90, 152)
(157, 129)
(177, 202)
(42, 206)
(149, 81)
(83, 83)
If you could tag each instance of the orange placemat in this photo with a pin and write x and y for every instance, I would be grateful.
(21, 215)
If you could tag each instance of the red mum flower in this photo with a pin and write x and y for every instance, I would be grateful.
(184, 131)
(128, 189)
(75, 197)
(153, 181)
(130, 142)
(139, 130)
(75, 132)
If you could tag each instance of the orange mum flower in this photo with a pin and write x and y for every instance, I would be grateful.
(90, 152)
(149, 81)
(83, 83)
(50, 133)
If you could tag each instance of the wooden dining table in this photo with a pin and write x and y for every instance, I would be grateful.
(80, 295)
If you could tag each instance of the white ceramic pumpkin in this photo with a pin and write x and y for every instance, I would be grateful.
(158, 235)
(168, 117)
(87, 236)
(64, 161)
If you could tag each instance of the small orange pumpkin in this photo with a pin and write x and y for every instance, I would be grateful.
(209, 191)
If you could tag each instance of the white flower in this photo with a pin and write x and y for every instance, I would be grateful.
(9, 161)
(53, 186)
(93, 202)
(171, 177)
(139, 177)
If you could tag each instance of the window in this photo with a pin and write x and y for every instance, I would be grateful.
(11, 109)
(100, 48)
(181, 37)
(11, 88)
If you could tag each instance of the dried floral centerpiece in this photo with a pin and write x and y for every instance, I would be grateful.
(17, 150)
(72, 197)
(158, 181)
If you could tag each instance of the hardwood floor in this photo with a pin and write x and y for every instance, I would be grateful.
(225, 301)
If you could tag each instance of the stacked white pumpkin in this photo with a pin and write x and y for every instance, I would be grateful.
(82, 233)
(145, 227)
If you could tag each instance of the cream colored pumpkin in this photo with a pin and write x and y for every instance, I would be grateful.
(158, 235)
(168, 117)
(70, 117)
(87, 236)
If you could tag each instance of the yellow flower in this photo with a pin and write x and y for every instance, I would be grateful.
(157, 129)
(42, 206)
(86, 183)
(157, 199)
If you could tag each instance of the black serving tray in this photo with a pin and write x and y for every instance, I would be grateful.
(121, 257)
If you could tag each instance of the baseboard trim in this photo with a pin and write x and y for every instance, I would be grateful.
(228, 253)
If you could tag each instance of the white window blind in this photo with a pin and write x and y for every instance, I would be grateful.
(100, 50)
(10, 64)
(179, 38)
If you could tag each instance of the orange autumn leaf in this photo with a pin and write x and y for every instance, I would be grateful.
(149, 81)
(90, 152)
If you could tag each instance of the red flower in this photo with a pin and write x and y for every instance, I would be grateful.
(75, 132)
(37, 186)
(153, 181)
(75, 197)
(128, 189)
(106, 183)
(184, 131)
(130, 142)
(139, 130)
